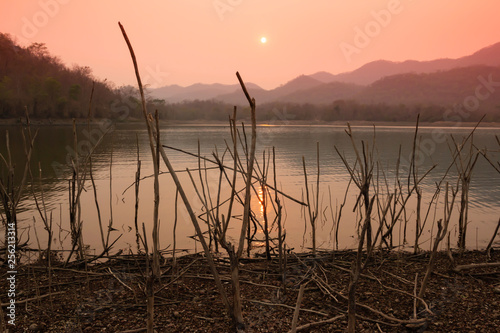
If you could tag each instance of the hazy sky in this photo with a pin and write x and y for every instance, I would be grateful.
(189, 41)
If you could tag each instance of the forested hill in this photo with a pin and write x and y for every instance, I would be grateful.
(30, 77)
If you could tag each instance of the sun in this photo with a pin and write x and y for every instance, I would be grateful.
(263, 40)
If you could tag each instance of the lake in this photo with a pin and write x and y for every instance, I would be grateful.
(116, 156)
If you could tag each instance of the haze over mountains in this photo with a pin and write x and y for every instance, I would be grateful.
(440, 82)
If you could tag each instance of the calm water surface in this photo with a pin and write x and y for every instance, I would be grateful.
(54, 147)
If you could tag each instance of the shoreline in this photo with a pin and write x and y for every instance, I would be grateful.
(337, 123)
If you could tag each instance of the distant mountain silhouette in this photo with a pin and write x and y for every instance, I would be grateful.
(325, 93)
(445, 81)
(324, 77)
(375, 70)
(443, 88)
(298, 84)
(175, 93)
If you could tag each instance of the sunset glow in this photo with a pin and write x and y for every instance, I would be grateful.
(181, 42)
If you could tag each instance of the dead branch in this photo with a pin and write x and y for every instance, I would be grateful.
(460, 268)
(287, 306)
(34, 298)
(318, 323)
(488, 248)
(297, 308)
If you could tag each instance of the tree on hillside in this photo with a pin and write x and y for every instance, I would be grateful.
(31, 77)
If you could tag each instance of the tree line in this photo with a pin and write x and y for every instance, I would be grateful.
(30, 77)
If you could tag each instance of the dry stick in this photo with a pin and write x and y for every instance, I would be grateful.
(238, 316)
(137, 182)
(97, 205)
(288, 307)
(442, 230)
(156, 222)
(472, 266)
(48, 227)
(75, 188)
(379, 230)
(79, 179)
(110, 223)
(91, 175)
(219, 188)
(418, 191)
(415, 297)
(237, 170)
(244, 144)
(278, 215)
(465, 173)
(312, 214)
(162, 173)
(263, 203)
(246, 209)
(338, 215)
(150, 134)
(43, 215)
(462, 217)
(317, 182)
(37, 240)
(174, 233)
(37, 298)
(119, 280)
(362, 179)
(203, 198)
(496, 167)
(488, 248)
(351, 316)
(199, 233)
(297, 308)
(149, 286)
(319, 323)
(232, 125)
(208, 198)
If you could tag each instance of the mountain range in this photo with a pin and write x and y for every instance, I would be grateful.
(441, 81)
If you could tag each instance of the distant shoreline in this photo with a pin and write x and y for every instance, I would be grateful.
(69, 122)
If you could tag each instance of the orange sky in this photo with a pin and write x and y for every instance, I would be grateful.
(189, 41)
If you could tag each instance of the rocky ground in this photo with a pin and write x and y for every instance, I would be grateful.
(109, 296)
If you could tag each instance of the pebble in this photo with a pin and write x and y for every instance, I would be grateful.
(34, 328)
